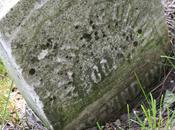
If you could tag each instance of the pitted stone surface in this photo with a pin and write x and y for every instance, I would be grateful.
(75, 52)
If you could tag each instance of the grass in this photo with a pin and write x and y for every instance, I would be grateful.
(98, 126)
(153, 119)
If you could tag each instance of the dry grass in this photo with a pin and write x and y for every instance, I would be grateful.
(6, 106)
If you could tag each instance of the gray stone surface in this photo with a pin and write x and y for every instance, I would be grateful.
(73, 60)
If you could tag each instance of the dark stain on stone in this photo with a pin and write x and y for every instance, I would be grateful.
(89, 46)
(87, 37)
(104, 35)
(135, 43)
(53, 98)
(90, 22)
(96, 33)
(96, 38)
(128, 58)
(116, 24)
(55, 46)
(41, 80)
(32, 71)
(77, 27)
(34, 59)
(120, 55)
(69, 83)
(93, 26)
(43, 47)
(49, 41)
(127, 38)
(83, 45)
(124, 47)
(60, 73)
(131, 37)
(171, 15)
(139, 31)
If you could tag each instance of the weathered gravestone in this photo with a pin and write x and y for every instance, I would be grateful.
(73, 60)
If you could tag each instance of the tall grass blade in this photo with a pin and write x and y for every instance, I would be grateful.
(128, 110)
(141, 87)
(98, 126)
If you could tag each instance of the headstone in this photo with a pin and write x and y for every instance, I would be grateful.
(74, 60)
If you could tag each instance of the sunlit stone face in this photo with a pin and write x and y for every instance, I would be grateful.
(80, 48)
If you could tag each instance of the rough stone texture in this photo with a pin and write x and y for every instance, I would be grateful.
(73, 60)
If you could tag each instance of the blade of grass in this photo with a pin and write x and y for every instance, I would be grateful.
(140, 124)
(139, 121)
(160, 113)
(171, 119)
(169, 60)
(141, 87)
(98, 126)
(128, 110)
(168, 119)
(168, 57)
(154, 110)
(147, 114)
(6, 105)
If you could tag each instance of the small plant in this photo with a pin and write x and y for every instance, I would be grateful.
(152, 114)
(152, 117)
(98, 126)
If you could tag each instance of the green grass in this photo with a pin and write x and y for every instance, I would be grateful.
(152, 112)
(153, 119)
(98, 126)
